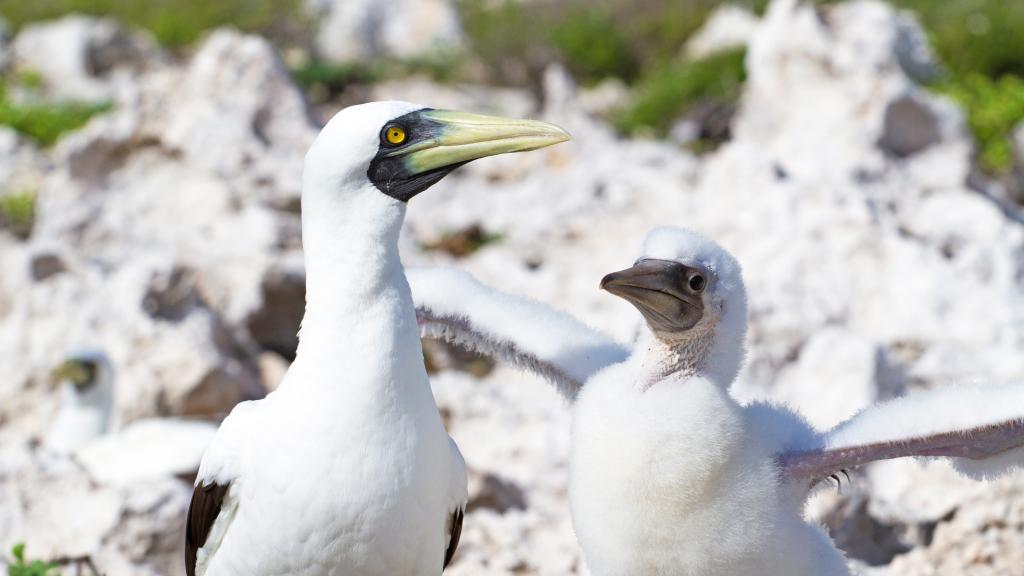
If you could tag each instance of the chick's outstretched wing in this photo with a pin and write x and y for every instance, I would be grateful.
(981, 428)
(453, 306)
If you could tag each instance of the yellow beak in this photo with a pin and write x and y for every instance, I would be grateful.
(462, 137)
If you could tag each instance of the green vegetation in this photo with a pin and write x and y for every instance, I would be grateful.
(974, 36)
(637, 42)
(18, 212)
(508, 38)
(40, 120)
(333, 78)
(34, 568)
(510, 42)
(981, 44)
(30, 79)
(327, 78)
(592, 46)
(595, 39)
(45, 122)
(667, 92)
(994, 109)
(172, 22)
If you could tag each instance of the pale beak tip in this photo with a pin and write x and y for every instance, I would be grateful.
(560, 134)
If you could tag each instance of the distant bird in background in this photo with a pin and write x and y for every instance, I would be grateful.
(143, 449)
(669, 473)
(86, 385)
(346, 468)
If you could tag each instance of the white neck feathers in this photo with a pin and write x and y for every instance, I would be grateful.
(359, 329)
(713, 349)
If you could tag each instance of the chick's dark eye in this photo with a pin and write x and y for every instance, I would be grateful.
(697, 282)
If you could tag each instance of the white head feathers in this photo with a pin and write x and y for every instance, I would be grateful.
(344, 148)
(725, 296)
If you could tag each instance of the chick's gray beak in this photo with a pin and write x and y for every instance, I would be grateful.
(657, 288)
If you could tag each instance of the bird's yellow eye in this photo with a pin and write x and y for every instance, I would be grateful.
(395, 135)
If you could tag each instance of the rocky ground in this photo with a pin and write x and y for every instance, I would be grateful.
(877, 262)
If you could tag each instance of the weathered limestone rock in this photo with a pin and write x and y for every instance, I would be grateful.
(836, 375)
(236, 113)
(984, 538)
(165, 214)
(730, 26)
(83, 58)
(168, 235)
(55, 508)
(353, 30)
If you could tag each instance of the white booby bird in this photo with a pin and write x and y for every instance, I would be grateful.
(669, 473)
(346, 468)
(86, 385)
(143, 449)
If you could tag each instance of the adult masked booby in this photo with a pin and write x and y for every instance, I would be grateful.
(669, 473)
(346, 468)
(86, 393)
(143, 449)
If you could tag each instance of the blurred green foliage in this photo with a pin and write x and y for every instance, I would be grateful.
(595, 39)
(636, 41)
(18, 212)
(981, 42)
(668, 91)
(593, 46)
(331, 78)
(34, 568)
(172, 22)
(654, 31)
(334, 77)
(41, 120)
(45, 122)
(975, 36)
(30, 79)
(512, 41)
(508, 38)
(994, 109)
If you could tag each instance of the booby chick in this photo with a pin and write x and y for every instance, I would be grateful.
(346, 469)
(143, 449)
(670, 475)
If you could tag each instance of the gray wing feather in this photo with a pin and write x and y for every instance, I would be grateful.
(460, 331)
(977, 443)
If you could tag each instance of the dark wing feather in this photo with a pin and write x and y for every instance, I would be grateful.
(453, 540)
(976, 443)
(207, 500)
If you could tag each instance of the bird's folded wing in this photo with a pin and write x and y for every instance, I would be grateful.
(458, 495)
(213, 506)
(981, 428)
(453, 306)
